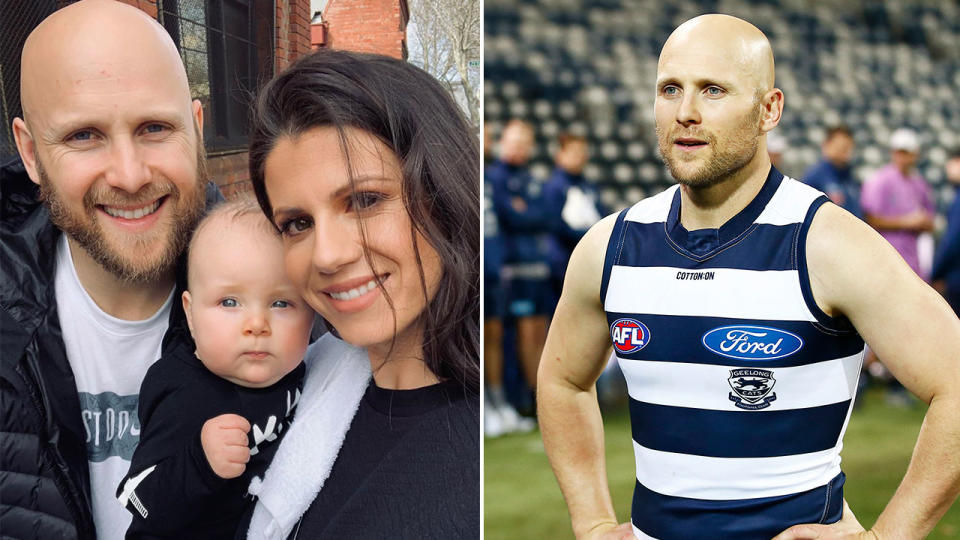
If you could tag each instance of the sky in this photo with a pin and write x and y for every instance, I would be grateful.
(316, 5)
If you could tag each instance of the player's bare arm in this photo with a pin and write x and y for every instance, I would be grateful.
(854, 272)
(573, 358)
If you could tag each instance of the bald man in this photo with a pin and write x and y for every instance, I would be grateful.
(735, 302)
(110, 141)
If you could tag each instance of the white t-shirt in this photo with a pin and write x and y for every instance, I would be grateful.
(109, 358)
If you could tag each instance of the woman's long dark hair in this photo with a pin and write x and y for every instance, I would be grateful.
(410, 112)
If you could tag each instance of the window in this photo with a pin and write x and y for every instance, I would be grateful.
(227, 48)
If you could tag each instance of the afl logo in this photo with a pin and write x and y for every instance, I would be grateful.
(629, 335)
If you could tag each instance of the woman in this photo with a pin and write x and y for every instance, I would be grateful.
(371, 176)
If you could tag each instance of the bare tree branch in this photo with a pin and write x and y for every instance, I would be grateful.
(446, 44)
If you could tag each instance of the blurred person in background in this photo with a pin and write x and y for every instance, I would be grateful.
(524, 293)
(493, 305)
(946, 265)
(898, 203)
(572, 204)
(833, 174)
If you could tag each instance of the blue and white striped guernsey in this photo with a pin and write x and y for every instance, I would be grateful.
(740, 386)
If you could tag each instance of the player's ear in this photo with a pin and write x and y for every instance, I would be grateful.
(187, 302)
(196, 110)
(27, 147)
(772, 109)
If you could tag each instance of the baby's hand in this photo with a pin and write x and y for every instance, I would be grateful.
(224, 441)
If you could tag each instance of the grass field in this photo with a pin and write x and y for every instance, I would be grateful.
(522, 500)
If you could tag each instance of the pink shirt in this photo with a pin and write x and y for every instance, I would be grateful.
(891, 194)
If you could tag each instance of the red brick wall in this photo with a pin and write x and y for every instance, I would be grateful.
(293, 31)
(230, 172)
(149, 6)
(377, 26)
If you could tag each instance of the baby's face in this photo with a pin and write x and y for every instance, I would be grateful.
(250, 325)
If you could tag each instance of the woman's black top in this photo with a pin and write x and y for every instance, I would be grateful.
(409, 468)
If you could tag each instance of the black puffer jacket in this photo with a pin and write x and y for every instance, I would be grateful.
(44, 475)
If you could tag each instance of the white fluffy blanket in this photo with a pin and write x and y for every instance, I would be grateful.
(337, 376)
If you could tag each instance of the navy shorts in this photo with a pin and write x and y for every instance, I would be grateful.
(528, 297)
(494, 298)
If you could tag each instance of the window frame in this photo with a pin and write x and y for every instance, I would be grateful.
(226, 103)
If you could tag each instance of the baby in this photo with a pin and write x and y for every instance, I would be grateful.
(211, 419)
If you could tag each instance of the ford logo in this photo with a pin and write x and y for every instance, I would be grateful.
(751, 342)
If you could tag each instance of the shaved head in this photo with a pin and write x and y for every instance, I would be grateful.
(84, 45)
(733, 43)
(716, 100)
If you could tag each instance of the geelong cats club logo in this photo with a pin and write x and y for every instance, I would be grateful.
(751, 388)
(629, 335)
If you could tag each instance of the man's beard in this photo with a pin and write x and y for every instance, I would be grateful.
(727, 158)
(129, 263)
